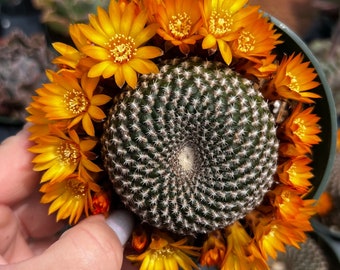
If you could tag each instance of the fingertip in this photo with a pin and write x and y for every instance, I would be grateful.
(121, 222)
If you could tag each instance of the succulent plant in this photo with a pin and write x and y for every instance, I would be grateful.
(332, 218)
(330, 64)
(193, 148)
(22, 70)
(310, 256)
(58, 14)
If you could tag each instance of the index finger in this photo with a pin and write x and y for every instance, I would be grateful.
(17, 178)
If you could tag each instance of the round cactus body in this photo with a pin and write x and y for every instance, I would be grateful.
(193, 148)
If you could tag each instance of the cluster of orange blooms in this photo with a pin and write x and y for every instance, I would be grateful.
(125, 40)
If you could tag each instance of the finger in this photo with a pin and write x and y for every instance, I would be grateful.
(34, 219)
(91, 244)
(17, 179)
(13, 247)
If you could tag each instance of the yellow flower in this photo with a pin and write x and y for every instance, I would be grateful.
(61, 155)
(222, 21)
(117, 38)
(301, 127)
(241, 250)
(40, 124)
(213, 250)
(179, 22)
(296, 173)
(256, 39)
(72, 59)
(70, 56)
(164, 253)
(68, 99)
(293, 80)
(71, 197)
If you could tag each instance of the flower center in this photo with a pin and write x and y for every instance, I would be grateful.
(75, 102)
(286, 196)
(294, 84)
(246, 42)
(77, 187)
(180, 25)
(220, 23)
(68, 153)
(301, 129)
(121, 48)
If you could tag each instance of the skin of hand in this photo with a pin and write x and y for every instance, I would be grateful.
(29, 237)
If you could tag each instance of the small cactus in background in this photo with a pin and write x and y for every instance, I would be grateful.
(58, 14)
(193, 149)
(23, 62)
(330, 65)
(309, 256)
(332, 218)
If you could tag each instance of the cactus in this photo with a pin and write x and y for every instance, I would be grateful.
(193, 148)
(332, 218)
(58, 14)
(23, 62)
(310, 256)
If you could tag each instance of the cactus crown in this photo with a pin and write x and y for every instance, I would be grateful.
(193, 148)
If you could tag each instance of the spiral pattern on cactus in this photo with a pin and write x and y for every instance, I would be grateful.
(193, 148)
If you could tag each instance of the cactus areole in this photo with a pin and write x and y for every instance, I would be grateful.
(193, 148)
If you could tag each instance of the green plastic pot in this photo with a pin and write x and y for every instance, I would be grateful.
(324, 152)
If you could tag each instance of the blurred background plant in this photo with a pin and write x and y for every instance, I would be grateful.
(58, 14)
(326, 47)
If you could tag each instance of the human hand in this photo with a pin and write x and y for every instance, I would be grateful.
(29, 236)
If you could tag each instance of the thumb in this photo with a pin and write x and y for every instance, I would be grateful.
(91, 244)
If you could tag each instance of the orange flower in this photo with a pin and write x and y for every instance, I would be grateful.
(179, 22)
(324, 204)
(296, 173)
(263, 68)
(60, 155)
(241, 250)
(301, 127)
(68, 99)
(291, 208)
(164, 253)
(338, 141)
(214, 249)
(222, 21)
(271, 236)
(117, 43)
(293, 80)
(291, 149)
(70, 197)
(139, 239)
(100, 203)
(256, 39)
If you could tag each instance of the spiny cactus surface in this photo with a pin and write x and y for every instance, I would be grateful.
(310, 256)
(193, 148)
(332, 219)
